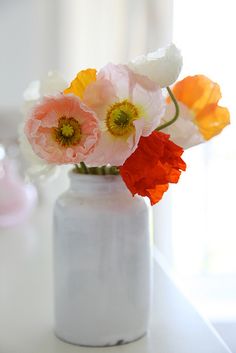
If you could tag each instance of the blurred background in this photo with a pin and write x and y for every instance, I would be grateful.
(195, 223)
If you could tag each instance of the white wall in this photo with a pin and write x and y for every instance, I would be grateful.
(94, 32)
(40, 35)
(28, 45)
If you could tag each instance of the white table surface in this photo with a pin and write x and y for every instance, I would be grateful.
(26, 305)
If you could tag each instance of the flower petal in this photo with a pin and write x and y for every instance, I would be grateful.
(155, 163)
(52, 84)
(119, 77)
(80, 83)
(45, 135)
(36, 168)
(212, 120)
(147, 95)
(184, 132)
(162, 66)
(117, 87)
(99, 94)
(201, 118)
(111, 150)
(196, 92)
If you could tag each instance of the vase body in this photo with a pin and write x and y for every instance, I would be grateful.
(102, 271)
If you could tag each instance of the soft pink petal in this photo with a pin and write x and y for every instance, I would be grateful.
(50, 120)
(119, 76)
(152, 102)
(100, 92)
(110, 150)
(134, 138)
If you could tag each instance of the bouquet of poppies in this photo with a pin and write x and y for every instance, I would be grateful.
(123, 119)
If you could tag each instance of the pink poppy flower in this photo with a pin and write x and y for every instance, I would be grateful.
(62, 130)
(128, 106)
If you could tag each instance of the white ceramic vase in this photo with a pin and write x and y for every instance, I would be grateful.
(102, 265)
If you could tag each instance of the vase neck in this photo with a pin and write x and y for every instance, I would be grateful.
(96, 183)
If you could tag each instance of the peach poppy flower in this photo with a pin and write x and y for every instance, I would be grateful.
(62, 130)
(128, 106)
(201, 118)
(51, 84)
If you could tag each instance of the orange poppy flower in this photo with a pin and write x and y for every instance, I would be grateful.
(201, 118)
(153, 165)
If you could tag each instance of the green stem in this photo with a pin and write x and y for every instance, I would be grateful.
(114, 170)
(103, 169)
(84, 168)
(99, 171)
(168, 123)
(77, 168)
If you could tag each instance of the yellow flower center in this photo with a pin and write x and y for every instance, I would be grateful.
(68, 132)
(120, 117)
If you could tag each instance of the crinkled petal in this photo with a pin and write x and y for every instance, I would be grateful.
(155, 163)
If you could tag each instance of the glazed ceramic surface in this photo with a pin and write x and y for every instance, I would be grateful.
(101, 262)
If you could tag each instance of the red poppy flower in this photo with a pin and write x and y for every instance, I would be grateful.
(153, 165)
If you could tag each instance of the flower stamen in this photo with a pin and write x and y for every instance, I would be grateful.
(67, 130)
(67, 133)
(120, 117)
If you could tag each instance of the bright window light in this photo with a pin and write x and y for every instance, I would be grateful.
(203, 203)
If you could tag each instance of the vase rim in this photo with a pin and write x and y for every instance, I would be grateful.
(96, 182)
(94, 177)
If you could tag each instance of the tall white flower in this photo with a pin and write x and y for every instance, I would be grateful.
(162, 66)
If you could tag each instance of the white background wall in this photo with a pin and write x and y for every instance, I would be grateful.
(28, 45)
(40, 35)
(93, 33)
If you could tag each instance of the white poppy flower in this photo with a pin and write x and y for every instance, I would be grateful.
(53, 83)
(36, 168)
(162, 66)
